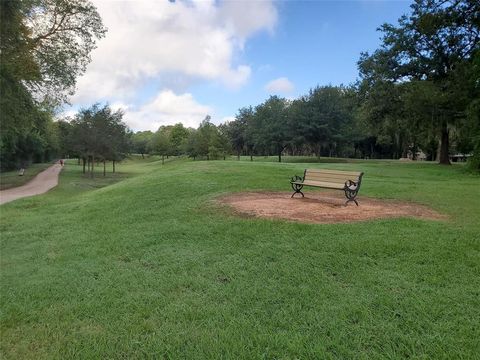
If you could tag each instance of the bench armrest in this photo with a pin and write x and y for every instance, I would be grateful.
(296, 178)
(351, 185)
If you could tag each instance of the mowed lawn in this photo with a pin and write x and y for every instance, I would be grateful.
(143, 264)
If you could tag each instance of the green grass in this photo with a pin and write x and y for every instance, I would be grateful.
(142, 264)
(10, 179)
(314, 159)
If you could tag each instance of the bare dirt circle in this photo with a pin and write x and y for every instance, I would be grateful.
(323, 207)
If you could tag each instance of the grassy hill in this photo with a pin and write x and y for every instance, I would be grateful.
(142, 264)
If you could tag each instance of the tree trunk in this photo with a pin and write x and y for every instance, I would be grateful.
(238, 155)
(113, 162)
(83, 160)
(143, 157)
(104, 169)
(280, 156)
(79, 160)
(444, 146)
(92, 162)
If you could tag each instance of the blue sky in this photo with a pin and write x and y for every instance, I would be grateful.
(165, 62)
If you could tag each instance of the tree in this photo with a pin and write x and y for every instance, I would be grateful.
(320, 117)
(430, 44)
(205, 133)
(220, 146)
(119, 138)
(383, 113)
(192, 144)
(64, 129)
(160, 143)
(270, 129)
(62, 35)
(178, 138)
(45, 46)
(19, 112)
(472, 128)
(140, 142)
(236, 130)
(99, 133)
(16, 55)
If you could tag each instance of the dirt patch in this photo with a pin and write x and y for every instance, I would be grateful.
(323, 208)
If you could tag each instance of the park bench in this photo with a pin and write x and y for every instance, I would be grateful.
(348, 181)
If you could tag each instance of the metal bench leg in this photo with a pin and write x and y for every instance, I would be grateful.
(298, 190)
(351, 196)
(355, 201)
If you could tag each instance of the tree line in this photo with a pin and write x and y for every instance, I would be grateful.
(96, 134)
(420, 90)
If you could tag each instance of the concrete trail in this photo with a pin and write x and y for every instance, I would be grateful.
(40, 184)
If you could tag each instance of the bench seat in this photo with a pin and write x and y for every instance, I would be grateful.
(322, 184)
(348, 181)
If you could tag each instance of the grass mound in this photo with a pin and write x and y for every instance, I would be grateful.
(141, 265)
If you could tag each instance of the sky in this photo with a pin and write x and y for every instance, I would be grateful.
(164, 62)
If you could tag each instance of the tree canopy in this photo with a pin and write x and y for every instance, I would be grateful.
(45, 46)
(430, 48)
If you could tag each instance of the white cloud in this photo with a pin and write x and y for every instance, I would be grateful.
(165, 109)
(66, 114)
(149, 39)
(227, 119)
(280, 85)
(244, 18)
(118, 105)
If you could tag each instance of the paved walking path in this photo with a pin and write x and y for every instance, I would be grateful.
(40, 184)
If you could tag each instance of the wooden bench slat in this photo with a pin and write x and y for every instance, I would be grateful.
(335, 171)
(325, 184)
(331, 185)
(330, 177)
(338, 172)
(333, 178)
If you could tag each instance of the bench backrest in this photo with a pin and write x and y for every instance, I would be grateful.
(332, 176)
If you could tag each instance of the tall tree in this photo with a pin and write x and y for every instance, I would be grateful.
(429, 45)
(62, 35)
(45, 45)
(98, 133)
(205, 134)
(140, 142)
(270, 126)
(236, 130)
(161, 143)
(178, 138)
(220, 143)
(192, 146)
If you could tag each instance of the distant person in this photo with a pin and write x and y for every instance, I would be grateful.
(61, 162)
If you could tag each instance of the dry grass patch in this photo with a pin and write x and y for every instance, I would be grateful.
(323, 208)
